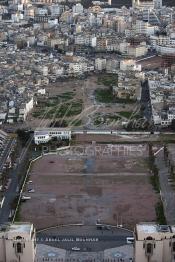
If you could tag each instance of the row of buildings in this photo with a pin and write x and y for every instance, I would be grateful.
(25, 75)
(162, 94)
(42, 42)
(152, 243)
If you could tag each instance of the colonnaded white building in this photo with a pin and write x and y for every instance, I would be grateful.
(44, 135)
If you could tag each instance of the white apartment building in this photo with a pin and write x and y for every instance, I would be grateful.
(156, 117)
(100, 64)
(163, 44)
(79, 68)
(41, 91)
(136, 51)
(143, 4)
(166, 50)
(58, 70)
(120, 24)
(44, 135)
(25, 108)
(55, 10)
(85, 40)
(142, 27)
(112, 66)
(42, 11)
(77, 9)
(167, 120)
(123, 47)
(80, 40)
(93, 41)
(154, 243)
(75, 68)
(162, 40)
(17, 243)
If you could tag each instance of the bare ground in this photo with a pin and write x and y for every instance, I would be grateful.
(74, 189)
(82, 89)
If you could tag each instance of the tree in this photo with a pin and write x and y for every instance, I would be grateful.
(23, 135)
(173, 125)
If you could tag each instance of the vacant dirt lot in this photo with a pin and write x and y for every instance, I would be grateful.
(83, 185)
(76, 90)
(151, 63)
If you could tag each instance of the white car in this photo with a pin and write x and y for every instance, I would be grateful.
(75, 248)
(26, 197)
(31, 191)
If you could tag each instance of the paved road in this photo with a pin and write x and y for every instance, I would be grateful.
(87, 238)
(10, 195)
(7, 150)
(167, 192)
(145, 100)
(70, 238)
(93, 244)
(11, 192)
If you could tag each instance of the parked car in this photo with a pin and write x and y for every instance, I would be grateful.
(75, 248)
(31, 191)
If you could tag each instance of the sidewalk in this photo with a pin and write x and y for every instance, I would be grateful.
(167, 192)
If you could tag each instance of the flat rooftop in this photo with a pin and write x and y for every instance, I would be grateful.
(49, 129)
(147, 228)
(21, 228)
(154, 228)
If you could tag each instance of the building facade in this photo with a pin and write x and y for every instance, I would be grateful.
(17, 243)
(44, 135)
(154, 243)
(157, 4)
(143, 4)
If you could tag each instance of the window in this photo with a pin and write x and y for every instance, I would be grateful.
(19, 244)
(149, 248)
(18, 238)
(149, 238)
(173, 246)
(19, 247)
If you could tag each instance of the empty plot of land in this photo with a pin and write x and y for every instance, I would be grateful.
(151, 63)
(107, 138)
(73, 99)
(80, 187)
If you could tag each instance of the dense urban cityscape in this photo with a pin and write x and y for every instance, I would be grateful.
(87, 131)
